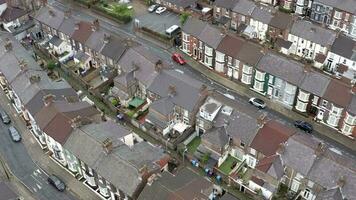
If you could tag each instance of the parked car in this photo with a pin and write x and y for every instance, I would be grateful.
(303, 125)
(14, 134)
(4, 117)
(259, 103)
(56, 182)
(152, 8)
(161, 10)
(176, 57)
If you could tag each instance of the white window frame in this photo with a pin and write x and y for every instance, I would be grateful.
(260, 75)
(219, 57)
(208, 51)
(303, 96)
(246, 78)
(258, 86)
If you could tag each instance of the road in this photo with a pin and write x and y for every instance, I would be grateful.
(22, 166)
(127, 31)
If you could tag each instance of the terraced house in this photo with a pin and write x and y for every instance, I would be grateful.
(337, 15)
(278, 78)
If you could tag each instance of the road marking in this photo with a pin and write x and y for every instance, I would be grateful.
(38, 171)
(39, 187)
(34, 189)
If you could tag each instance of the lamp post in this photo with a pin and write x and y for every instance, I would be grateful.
(185, 150)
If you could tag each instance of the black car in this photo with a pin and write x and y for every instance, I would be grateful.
(4, 117)
(56, 182)
(305, 126)
(14, 134)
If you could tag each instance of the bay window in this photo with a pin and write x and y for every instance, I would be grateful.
(246, 78)
(208, 60)
(301, 106)
(350, 119)
(260, 75)
(258, 86)
(220, 57)
(332, 120)
(347, 129)
(208, 51)
(303, 96)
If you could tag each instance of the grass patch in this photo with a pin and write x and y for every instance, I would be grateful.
(227, 165)
(193, 145)
(120, 12)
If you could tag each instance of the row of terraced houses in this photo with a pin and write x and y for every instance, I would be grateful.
(297, 86)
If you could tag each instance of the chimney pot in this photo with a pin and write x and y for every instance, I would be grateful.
(76, 27)
(108, 145)
(48, 99)
(8, 45)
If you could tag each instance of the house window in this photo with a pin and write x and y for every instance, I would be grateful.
(185, 37)
(253, 151)
(251, 162)
(260, 75)
(303, 96)
(301, 106)
(237, 63)
(337, 14)
(258, 86)
(208, 60)
(295, 185)
(350, 119)
(220, 57)
(335, 110)
(229, 60)
(325, 103)
(242, 144)
(332, 120)
(246, 69)
(346, 129)
(270, 79)
(315, 100)
(208, 51)
(246, 79)
(217, 9)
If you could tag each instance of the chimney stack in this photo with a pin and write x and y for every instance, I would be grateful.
(67, 13)
(281, 148)
(158, 66)
(8, 45)
(95, 26)
(76, 122)
(203, 88)
(76, 26)
(172, 90)
(35, 79)
(106, 38)
(108, 145)
(23, 65)
(48, 99)
(51, 13)
(319, 149)
(261, 120)
(341, 182)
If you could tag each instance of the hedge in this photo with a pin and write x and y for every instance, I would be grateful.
(121, 18)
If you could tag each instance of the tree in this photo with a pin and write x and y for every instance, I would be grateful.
(149, 2)
(183, 17)
(51, 65)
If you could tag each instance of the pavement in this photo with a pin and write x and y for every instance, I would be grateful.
(31, 166)
(241, 93)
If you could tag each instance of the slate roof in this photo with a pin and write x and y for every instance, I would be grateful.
(244, 7)
(51, 17)
(143, 62)
(331, 194)
(114, 48)
(56, 41)
(187, 89)
(315, 83)
(263, 14)
(230, 45)
(240, 125)
(338, 93)
(68, 26)
(163, 106)
(312, 32)
(352, 106)
(211, 36)
(229, 4)
(118, 167)
(55, 119)
(194, 26)
(273, 132)
(218, 137)
(346, 5)
(184, 185)
(336, 166)
(345, 47)
(281, 20)
(271, 165)
(299, 153)
(6, 192)
(83, 33)
(228, 196)
(281, 67)
(250, 53)
(12, 13)
(96, 40)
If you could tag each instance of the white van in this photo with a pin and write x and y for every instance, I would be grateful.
(172, 30)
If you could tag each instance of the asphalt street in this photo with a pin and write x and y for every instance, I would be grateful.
(22, 166)
(127, 31)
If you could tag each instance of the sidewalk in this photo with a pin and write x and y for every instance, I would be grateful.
(246, 92)
(78, 189)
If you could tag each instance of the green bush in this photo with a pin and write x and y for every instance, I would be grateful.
(183, 17)
(114, 102)
(51, 65)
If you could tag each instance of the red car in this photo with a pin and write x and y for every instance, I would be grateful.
(178, 58)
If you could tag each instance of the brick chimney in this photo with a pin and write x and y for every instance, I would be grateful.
(23, 65)
(261, 120)
(48, 99)
(319, 150)
(67, 13)
(106, 38)
(172, 90)
(76, 122)
(95, 26)
(35, 79)
(108, 145)
(341, 181)
(77, 26)
(8, 45)
(51, 13)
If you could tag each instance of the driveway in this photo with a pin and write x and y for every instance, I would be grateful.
(158, 23)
